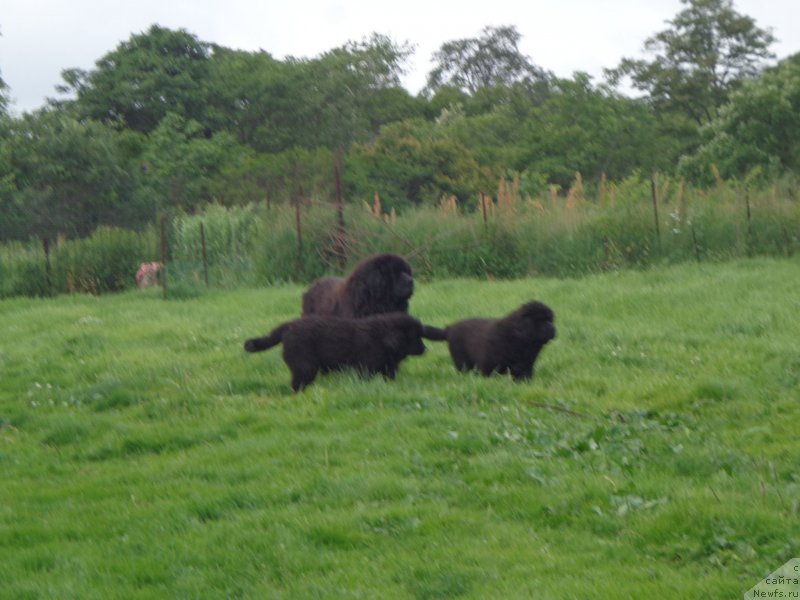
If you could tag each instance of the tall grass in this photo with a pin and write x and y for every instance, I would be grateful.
(104, 262)
(509, 235)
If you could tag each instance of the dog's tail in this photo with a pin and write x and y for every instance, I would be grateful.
(429, 332)
(268, 341)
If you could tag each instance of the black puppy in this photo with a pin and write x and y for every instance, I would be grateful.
(381, 283)
(507, 345)
(375, 344)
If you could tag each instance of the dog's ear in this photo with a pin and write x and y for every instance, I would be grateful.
(403, 284)
(373, 278)
(524, 328)
(534, 321)
(374, 285)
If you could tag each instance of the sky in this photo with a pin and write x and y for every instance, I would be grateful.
(40, 38)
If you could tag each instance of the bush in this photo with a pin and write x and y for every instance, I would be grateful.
(105, 262)
(24, 270)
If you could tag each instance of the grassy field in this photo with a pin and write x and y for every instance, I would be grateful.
(656, 454)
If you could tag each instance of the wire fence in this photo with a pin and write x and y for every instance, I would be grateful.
(632, 224)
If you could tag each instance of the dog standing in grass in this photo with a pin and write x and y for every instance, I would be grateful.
(507, 345)
(381, 283)
(371, 345)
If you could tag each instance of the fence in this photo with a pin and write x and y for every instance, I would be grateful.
(634, 223)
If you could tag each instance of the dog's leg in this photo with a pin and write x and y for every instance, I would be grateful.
(302, 378)
(389, 371)
(522, 373)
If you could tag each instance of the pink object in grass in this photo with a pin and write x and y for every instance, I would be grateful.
(147, 275)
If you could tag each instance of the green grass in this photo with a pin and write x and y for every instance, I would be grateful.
(144, 455)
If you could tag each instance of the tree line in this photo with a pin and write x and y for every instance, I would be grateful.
(167, 122)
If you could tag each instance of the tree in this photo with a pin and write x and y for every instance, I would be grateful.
(342, 96)
(759, 129)
(592, 130)
(145, 78)
(4, 101)
(66, 176)
(349, 92)
(491, 60)
(708, 52)
(413, 162)
(182, 164)
(254, 97)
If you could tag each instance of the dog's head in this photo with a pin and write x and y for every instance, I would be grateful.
(381, 283)
(392, 272)
(534, 321)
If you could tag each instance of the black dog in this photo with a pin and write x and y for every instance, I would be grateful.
(381, 283)
(371, 345)
(507, 345)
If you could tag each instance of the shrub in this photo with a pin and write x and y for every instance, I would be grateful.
(105, 262)
(24, 270)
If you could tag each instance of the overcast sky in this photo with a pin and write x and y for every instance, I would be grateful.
(40, 38)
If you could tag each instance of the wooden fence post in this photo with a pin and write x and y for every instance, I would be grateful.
(340, 248)
(299, 228)
(164, 256)
(654, 194)
(749, 223)
(203, 249)
(47, 266)
(695, 245)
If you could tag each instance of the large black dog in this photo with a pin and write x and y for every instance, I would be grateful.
(372, 345)
(380, 283)
(507, 345)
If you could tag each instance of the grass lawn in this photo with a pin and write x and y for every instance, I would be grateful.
(655, 454)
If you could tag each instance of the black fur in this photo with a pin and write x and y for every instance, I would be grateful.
(507, 345)
(372, 345)
(381, 283)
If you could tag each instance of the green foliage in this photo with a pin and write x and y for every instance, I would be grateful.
(23, 270)
(228, 235)
(4, 100)
(592, 130)
(350, 91)
(413, 162)
(64, 176)
(249, 99)
(653, 455)
(756, 132)
(183, 165)
(492, 60)
(169, 123)
(106, 261)
(708, 52)
(145, 78)
(270, 105)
